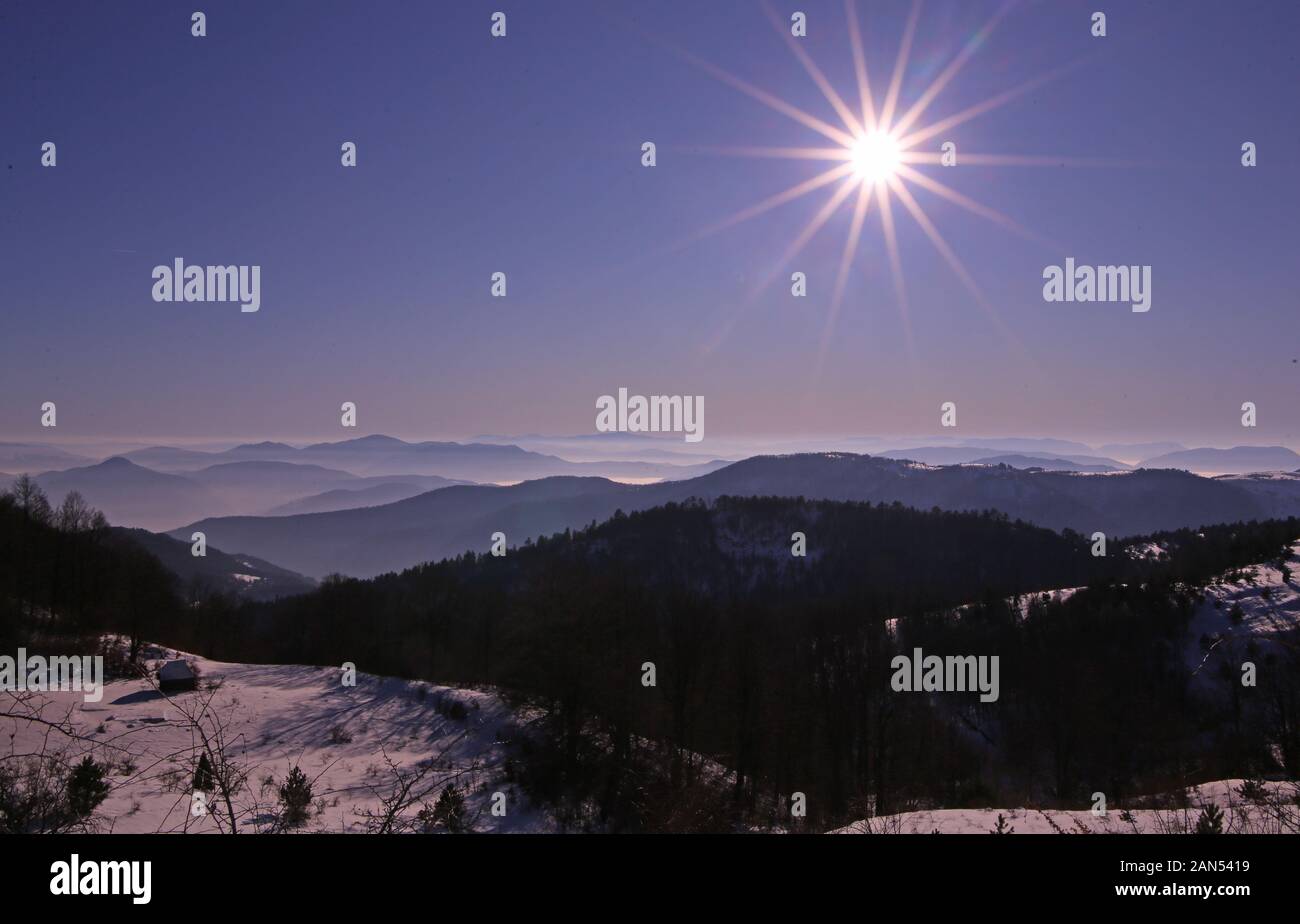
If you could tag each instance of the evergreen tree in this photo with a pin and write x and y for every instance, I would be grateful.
(1211, 820)
(203, 775)
(295, 798)
(449, 812)
(86, 788)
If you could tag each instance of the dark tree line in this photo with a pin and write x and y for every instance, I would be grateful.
(65, 578)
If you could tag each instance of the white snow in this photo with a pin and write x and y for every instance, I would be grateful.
(1268, 605)
(279, 716)
(1272, 809)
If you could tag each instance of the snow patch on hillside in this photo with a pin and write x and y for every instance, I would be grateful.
(1254, 808)
(277, 717)
(1251, 608)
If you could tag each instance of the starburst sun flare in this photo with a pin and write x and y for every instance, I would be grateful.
(876, 154)
(875, 157)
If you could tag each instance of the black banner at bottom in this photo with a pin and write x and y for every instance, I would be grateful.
(335, 873)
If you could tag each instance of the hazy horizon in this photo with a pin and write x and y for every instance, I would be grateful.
(566, 444)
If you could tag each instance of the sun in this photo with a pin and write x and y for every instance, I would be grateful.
(881, 153)
(875, 157)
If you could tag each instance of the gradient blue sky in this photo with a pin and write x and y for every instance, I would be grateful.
(522, 155)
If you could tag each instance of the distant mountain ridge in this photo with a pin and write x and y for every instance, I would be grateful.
(132, 495)
(449, 521)
(1052, 465)
(349, 498)
(380, 455)
(622, 456)
(987, 455)
(34, 457)
(1237, 460)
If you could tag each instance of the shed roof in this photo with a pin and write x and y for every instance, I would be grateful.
(175, 670)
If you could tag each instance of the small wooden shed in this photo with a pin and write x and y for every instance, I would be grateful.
(177, 676)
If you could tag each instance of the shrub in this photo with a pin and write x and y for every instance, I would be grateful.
(1211, 820)
(295, 798)
(449, 812)
(86, 788)
(40, 796)
(453, 709)
(203, 775)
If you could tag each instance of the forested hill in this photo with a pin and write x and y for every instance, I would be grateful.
(779, 547)
(888, 558)
(462, 615)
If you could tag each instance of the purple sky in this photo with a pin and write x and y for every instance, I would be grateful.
(522, 155)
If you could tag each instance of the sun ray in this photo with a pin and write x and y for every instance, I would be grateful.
(936, 87)
(788, 195)
(1001, 99)
(794, 192)
(840, 154)
(934, 159)
(809, 230)
(900, 64)
(896, 267)
(865, 191)
(860, 67)
(767, 99)
(851, 242)
(922, 219)
(841, 108)
(984, 211)
(946, 251)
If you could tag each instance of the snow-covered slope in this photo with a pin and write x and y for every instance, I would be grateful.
(1267, 808)
(1256, 605)
(355, 744)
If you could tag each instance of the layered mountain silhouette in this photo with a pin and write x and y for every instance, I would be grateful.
(256, 480)
(1076, 464)
(1238, 459)
(987, 455)
(385, 492)
(449, 521)
(36, 457)
(1134, 452)
(263, 486)
(132, 495)
(380, 455)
